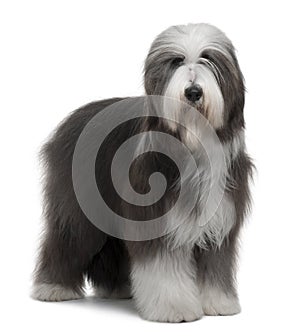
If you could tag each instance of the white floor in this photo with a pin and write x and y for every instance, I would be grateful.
(92, 316)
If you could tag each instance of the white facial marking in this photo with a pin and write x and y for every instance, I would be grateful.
(192, 75)
(190, 41)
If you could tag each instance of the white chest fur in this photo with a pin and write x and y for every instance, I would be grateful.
(213, 214)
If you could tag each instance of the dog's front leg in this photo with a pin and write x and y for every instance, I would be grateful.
(164, 282)
(216, 269)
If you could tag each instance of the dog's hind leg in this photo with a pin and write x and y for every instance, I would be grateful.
(65, 254)
(70, 240)
(108, 271)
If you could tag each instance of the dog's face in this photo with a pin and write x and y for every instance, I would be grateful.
(196, 64)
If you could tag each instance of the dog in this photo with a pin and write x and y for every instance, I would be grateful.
(188, 269)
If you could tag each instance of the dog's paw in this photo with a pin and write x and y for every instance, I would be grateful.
(172, 315)
(53, 292)
(164, 309)
(121, 293)
(215, 302)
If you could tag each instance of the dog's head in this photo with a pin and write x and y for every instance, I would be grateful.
(196, 64)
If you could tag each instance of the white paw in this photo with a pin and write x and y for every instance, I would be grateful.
(216, 302)
(53, 292)
(173, 315)
(170, 307)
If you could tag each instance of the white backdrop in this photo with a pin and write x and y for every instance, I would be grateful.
(58, 55)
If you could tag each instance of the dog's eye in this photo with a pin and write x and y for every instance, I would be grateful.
(206, 55)
(178, 61)
(203, 57)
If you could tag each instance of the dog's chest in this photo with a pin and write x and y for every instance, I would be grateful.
(207, 213)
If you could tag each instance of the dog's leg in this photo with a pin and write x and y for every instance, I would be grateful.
(66, 251)
(109, 271)
(217, 266)
(216, 276)
(164, 282)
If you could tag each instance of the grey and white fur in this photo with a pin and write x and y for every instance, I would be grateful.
(191, 271)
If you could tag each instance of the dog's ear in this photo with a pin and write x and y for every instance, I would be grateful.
(233, 90)
(236, 113)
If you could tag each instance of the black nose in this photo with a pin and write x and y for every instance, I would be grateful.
(193, 93)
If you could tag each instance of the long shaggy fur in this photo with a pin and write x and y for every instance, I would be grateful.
(190, 271)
